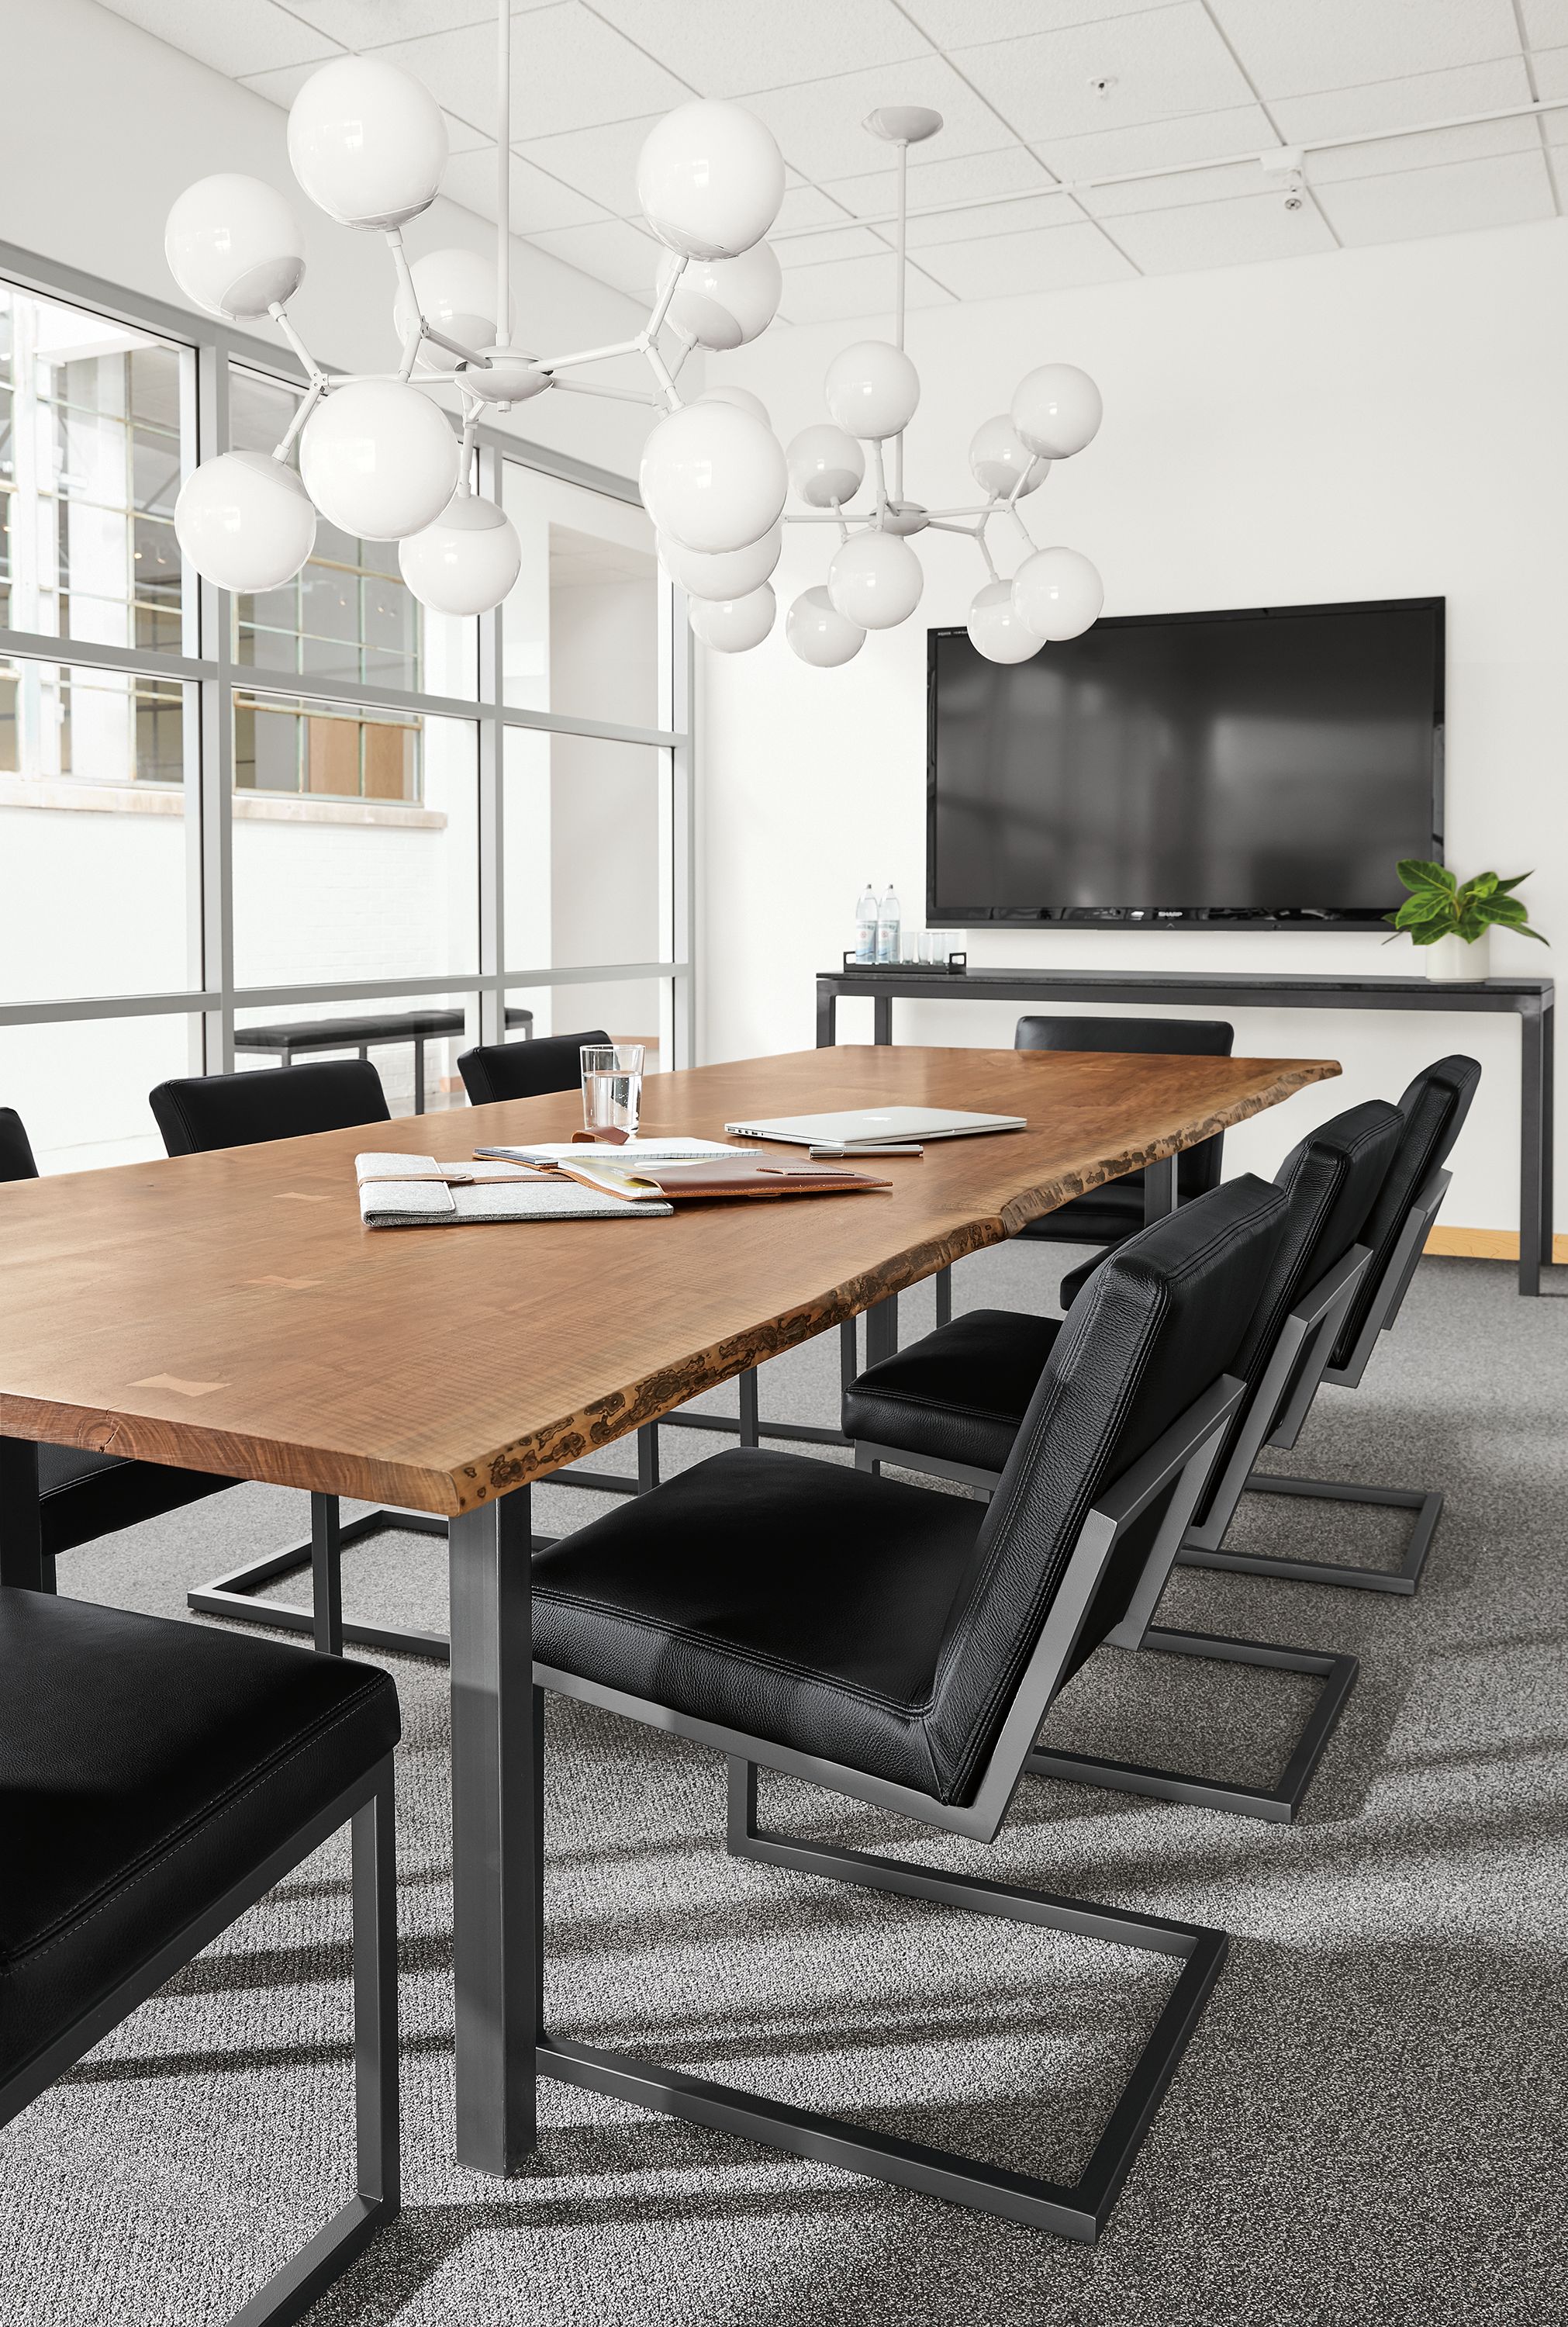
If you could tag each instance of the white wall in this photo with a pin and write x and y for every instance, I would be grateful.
(1382, 422)
(105, 125)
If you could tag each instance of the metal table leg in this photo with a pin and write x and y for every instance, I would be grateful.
(882, 1330)
(21, 1560)
(1536, 1045)
(1159, 1189)
(497, 1842)
(418, 1074)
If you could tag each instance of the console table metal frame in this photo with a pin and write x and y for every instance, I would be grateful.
(1528, 999)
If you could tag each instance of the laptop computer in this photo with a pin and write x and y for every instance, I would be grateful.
(869, 1127)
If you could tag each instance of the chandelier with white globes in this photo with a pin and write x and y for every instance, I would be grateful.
(379, 456)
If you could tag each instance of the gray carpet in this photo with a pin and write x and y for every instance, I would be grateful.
(1370, 2124)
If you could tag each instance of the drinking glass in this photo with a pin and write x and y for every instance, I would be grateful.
(612, 1087)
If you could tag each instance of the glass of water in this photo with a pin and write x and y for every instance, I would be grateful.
(612, 1087)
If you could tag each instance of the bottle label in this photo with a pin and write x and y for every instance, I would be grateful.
(865, 943)
(887, 941)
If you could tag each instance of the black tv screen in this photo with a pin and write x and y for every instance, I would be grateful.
(1261, 767)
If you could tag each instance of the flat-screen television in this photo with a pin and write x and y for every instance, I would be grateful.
(1256, 769)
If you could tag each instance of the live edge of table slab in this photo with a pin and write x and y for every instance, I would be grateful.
(230, 1313)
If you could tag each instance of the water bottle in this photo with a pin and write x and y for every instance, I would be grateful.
(865, 920)
(887, 927)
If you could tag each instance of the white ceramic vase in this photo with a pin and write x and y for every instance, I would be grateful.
(1453, 961)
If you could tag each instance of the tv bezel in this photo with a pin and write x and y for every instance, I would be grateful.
(1120, 918)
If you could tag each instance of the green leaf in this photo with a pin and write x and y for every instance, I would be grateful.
(1483, 885)
(1525, 930)
(1511, 912)
(1422, 908)
(1417, 872)
(1517, 882)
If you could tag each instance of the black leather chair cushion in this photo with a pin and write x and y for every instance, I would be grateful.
(958, 1394)
(145, 1767)
(83, 1496)
(16, 1148)
(1105, 1215)
(203, 1112)
(498, 1070)
(1432, 1112)
(882, 1625)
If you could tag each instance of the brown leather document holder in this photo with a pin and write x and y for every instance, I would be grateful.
(741, 1176)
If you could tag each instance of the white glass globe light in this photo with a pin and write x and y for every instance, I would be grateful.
(710, 180)
(734, 625)
(875, 580)
(466, 562)
(871, 389)
(733, 573)
(724, 302)
(712, 476)
(234, 247)
(1056, 410)
(1058, 594)
(366, 141)
(741, 398)
(825, 464)
(818, 633)
(245, 521)
(999, 462)
(379, 459)
(456, 290)
(995, 626)
(509, 377)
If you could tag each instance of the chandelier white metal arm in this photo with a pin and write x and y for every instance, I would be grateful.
(379, 458)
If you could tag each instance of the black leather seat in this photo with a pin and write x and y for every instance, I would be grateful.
(1105, 1215)
(498, 1070)
(83, 1495)
(200, 1113)
(901, 1648)
(1432, 1110)
(155, 1780)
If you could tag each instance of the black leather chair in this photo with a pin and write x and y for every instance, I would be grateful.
(197, 1114)
(952, 1404)
(155, 1780)
(500, 1071)
(1432, 1111)
(901, 1648)
(83, 1495)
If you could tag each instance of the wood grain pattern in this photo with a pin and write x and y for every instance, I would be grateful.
(435, 1370)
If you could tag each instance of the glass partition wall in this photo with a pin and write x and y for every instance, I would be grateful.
(236, 830)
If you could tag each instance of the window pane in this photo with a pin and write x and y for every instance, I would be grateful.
(91, 456)
(581, 627)
(628, 1009)
(355, 843)
(384, 1031)
(93, 880)
(82, 1089)
(348, 615)
(587, 851)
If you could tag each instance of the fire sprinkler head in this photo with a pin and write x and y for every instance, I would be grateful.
(903, 124)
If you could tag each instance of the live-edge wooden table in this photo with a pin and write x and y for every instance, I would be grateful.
(228, 1312)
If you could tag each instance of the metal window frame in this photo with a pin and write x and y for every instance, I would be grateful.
(207, 671)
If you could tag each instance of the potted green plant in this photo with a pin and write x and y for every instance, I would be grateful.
(1453, 921)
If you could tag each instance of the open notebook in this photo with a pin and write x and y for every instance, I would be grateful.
(416, 1191)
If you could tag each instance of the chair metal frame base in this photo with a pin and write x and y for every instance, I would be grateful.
(1278, 1803)
(1078, 2209)
(1404, 1580)
(292, 2290)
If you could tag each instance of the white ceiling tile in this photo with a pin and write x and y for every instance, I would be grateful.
(728, 48)
(994, 218)
(464, 137)
(960, 24)
(1186, 235)
(1409, 204)
(1047, 258)
(853, 286)
(1227, 181)
(1167, 61)
(570, 70)
(843, 242)
(1330, 44)
(1552, 71)
(363, 24)
(1423, 150)
(281, 86)
(242, 36)
(1012, 168)
(818, 123)
(1396, 104)
(613, 252)
(539, 201)
(1239, 131)
(807, 206)
(1546, 23)
(600, 162)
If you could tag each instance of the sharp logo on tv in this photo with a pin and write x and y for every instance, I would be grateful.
(1250, 769)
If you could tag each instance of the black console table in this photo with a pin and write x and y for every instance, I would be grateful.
(1528, 999)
